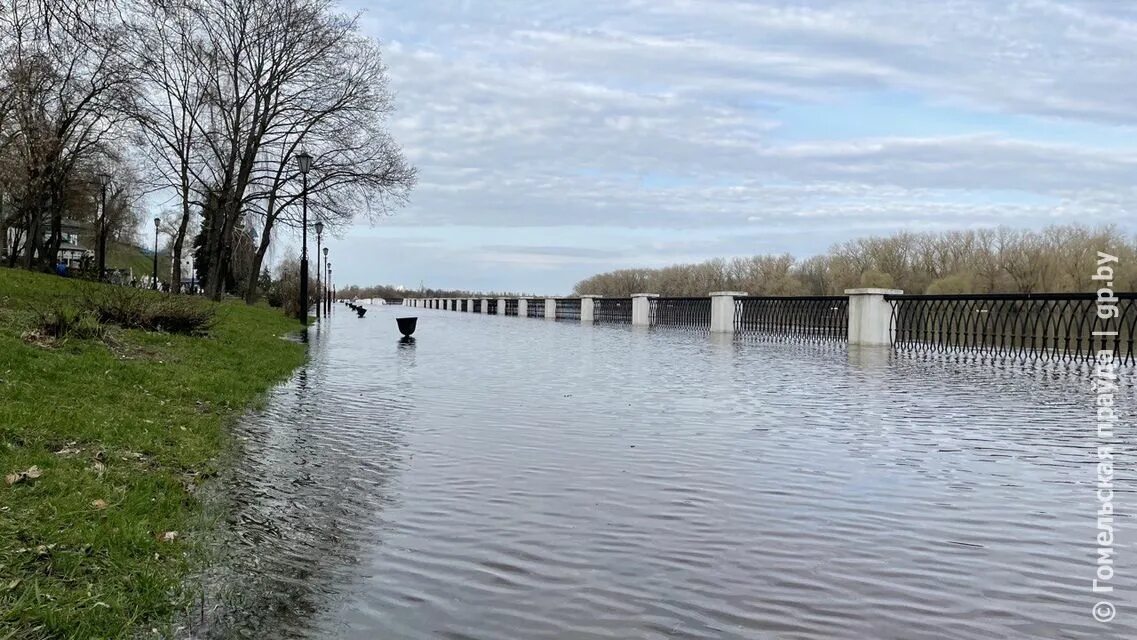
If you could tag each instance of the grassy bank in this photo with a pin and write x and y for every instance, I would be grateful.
(121, 430)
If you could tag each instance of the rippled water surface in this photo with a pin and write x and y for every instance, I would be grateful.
(520, 478)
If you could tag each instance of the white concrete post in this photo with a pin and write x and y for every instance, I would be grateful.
(722, 310)
(501, 306)
(870, 317)
(641, 309)
(550, 308)
(588, 309)
(523, 307)
(470, 306)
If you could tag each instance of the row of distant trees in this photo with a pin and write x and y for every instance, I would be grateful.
(355, 292)
(1056, 259)
(204, 102)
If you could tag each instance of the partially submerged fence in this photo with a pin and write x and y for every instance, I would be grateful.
(688, 313)
(612, 310)
(568, 309)
(535, 308)
(1042, 326)
(1045, 326)
(805, 318)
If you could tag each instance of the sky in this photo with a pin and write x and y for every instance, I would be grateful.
(558, 139)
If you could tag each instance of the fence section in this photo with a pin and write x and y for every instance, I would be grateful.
(568, 309)
(535, 308)
(793, 317)
(511, 306)
(490, 306)
(689, 313)
(1021, 326)
(612, 310)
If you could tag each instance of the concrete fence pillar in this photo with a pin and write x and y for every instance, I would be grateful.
(470, 306)
(722, 310)
(501, 306)
(870, 317)
(641, 309)
(523, 307)
(588, 309)
(550, 308)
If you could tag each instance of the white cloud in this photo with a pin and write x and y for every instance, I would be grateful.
(675, 114)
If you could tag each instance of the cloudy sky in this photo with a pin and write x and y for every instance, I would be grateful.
(556, 139)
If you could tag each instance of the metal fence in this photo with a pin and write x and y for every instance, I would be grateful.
(491, 305)
(568, 308)
(511, 306)
(612, 310)
(793, 317)
(690, 313)
(535, 308)
(1023, 326)
(464, 305)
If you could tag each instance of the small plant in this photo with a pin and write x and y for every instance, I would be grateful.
(68, 322)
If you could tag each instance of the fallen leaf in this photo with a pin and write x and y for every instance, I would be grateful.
(99, 468)
(99, 504)
(168, 536)
(67, 452)
(31, 473)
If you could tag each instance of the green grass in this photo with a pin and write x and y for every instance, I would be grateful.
(121, 255)
(136, 420)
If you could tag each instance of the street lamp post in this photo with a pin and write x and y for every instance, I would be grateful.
(304, 160)
(327, 284)
(331, 294)
(157, 221)
(104, 180)
(319, 242)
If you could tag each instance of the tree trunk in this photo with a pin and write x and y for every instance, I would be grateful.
(251, 292)
(180, 237)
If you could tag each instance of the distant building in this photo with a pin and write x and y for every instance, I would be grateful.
(71, 252)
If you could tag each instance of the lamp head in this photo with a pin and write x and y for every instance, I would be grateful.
(319, 228)
(304, 160)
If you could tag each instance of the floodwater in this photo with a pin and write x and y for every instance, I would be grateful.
(522, 478)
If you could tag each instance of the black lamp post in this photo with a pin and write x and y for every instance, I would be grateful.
(104, 180)
(304, 160)
(324, 299)
(319, 242)
(157, 221)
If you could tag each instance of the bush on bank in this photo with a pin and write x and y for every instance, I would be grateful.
(105, 436)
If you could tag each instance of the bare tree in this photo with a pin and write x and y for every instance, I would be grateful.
(282, 75)
(65, 81)
(169, 106)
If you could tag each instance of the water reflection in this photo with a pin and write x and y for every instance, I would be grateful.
(514, 478)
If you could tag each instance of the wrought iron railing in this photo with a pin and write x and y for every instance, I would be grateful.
(793, 317)
(511, 306)
(463, 305)
(690, 313)
(568, 308)
(612, 310)
(491, 306)
(535, 308)
(1045, 326)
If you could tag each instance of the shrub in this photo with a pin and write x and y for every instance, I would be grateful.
(68, 322)
(136, 309)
